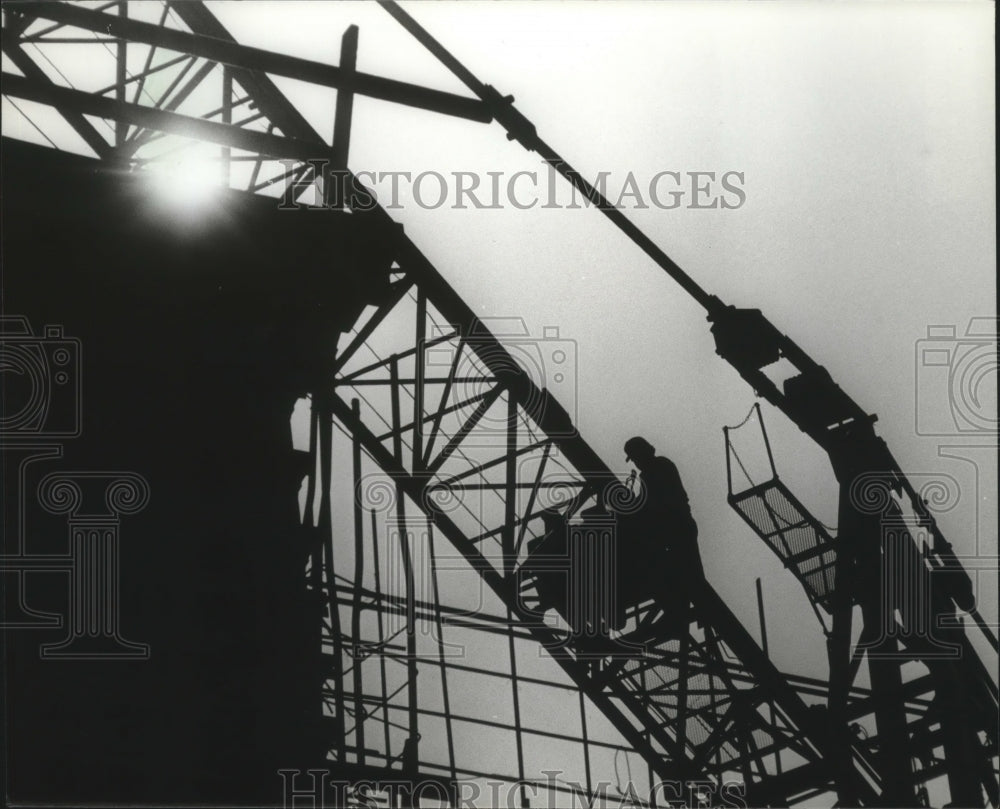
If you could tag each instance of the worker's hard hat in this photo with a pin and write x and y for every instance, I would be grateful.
(638, 446)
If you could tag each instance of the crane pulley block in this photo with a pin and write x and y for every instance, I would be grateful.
(745, 338)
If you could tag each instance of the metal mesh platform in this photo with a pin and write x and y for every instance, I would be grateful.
(804, 545)
(801, 542)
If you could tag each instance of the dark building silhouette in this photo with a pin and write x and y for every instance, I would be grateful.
(195, 347)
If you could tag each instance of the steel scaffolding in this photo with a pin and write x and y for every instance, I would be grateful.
(418, 559)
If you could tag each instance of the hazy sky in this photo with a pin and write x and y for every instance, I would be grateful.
(865, 136)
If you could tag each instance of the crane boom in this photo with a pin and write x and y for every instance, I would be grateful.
(819, 407)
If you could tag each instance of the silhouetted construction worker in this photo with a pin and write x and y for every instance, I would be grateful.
(663, 521)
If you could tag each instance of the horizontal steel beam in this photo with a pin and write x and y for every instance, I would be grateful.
(258, 59)
(77, 101)
(83, 127)
(265, 94)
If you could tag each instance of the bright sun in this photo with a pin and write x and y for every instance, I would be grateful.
(185, 183)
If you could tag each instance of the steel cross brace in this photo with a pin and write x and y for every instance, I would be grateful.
(225, 50)
(302, 143)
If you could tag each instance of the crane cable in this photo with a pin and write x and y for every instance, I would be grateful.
(519, 128)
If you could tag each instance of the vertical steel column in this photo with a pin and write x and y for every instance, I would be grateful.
(410, 748)
(322, 558)
(439, 625)
(381, 636)
(334, 182)
(121, 54)
(418, 384)
(764, 649)
(839, 648)
(510, 517)
(649, 740)
(359, 573)
(963, 756)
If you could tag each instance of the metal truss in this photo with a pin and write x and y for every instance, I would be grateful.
(911, 617)
(477, 449)
(173, 69)
(472, 442)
